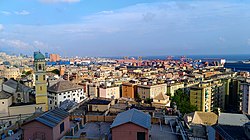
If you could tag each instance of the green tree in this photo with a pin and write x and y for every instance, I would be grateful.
(183, 102)
(56, 71)
(137, 97)
(148, 101)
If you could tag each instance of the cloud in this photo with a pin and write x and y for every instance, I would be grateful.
(106, 12)
(40, 45)
(23, 12)
(222, 39)
(6, 13)
(248, 41)
(165, 27)
(59, 1)
(1, 27)
(15, 43)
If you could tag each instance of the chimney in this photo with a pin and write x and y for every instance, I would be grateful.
(218, 111)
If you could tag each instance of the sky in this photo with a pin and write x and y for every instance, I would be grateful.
(125, 27)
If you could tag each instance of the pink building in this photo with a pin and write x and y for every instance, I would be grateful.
(51, 125)
(54, 57)
(131, 125)
(110, 92)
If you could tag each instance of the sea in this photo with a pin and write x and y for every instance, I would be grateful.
(232, 61)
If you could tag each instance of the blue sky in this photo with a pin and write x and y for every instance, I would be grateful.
(125, 27)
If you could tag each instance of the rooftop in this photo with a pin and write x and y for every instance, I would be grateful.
(51, 118)
(4, 95)
(231, 132)
(63, 86)
(161, 96)
(16, 85)
(197, 117)
(38, 56)
(134, 116)
(232, 119)
(99, 102)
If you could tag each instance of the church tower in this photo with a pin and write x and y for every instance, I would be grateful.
(40, 79)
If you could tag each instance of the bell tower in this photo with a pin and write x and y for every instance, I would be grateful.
(40, 79)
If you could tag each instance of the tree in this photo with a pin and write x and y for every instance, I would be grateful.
(183, 102)
(148, 101)
(137, 97)
(56, 71)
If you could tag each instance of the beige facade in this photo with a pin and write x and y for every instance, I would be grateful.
(25, 109)
(4, 106)
(110, 92)
(150, 91)
(96, 107)
(173, 87)
(11, 73)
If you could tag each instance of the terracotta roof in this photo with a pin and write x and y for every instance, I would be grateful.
(161, 96)
(63, 86)
(206, 118)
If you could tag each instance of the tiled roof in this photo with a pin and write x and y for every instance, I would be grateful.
(133, 116)
(232, 119)
(4, 95)
(161, 96)
(51, 118)
(63, 86)
(205, 118)
(99, 102)
(18, 86)
(228, 132)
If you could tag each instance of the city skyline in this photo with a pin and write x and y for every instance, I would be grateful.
(127, 28)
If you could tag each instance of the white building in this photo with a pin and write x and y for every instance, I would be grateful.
(65, 90)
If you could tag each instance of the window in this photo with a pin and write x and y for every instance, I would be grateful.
(55, 103)
(64, 96)
(50, 102)
(44, 77)
(36, 77)
(39, 67)
(61, 127)
(141, 136)
(68, 96)
(2, 102)
(41, 88)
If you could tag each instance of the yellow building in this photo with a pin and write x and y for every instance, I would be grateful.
(40, 79)
(200, 96)
(11, 73)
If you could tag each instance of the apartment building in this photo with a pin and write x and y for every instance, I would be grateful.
(150, 90)
(65, 90)
(200, 96)
(112, 92)
(129, 90)
(244, 89)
